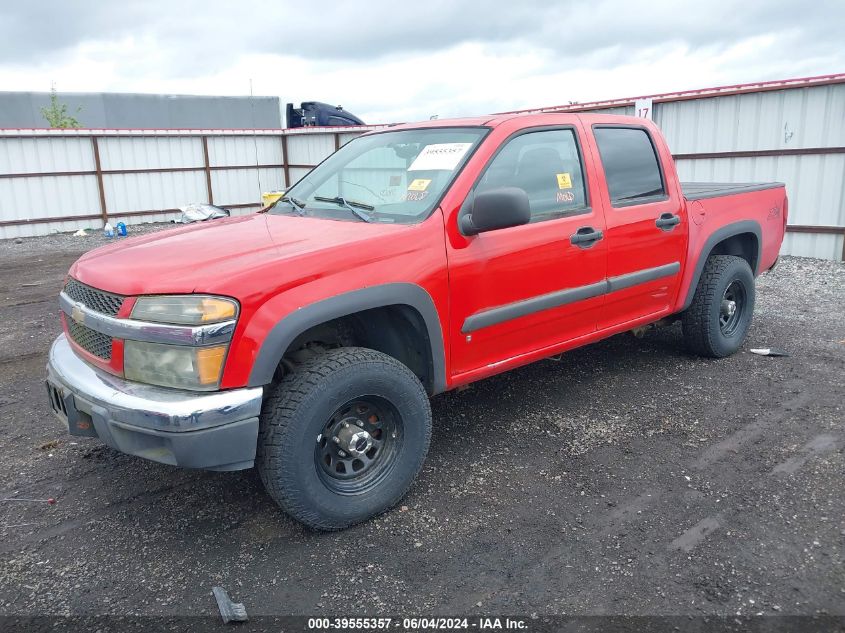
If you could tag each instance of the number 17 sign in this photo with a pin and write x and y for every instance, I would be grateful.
(642, 109)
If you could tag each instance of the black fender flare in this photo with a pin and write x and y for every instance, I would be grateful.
(735, 228)
(285, 331)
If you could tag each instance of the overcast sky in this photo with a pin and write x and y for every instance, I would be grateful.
(392, 61)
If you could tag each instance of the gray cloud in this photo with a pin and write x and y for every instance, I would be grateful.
(198, 36)
(389, 61)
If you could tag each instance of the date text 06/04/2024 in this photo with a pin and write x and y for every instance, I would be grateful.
(417, 624)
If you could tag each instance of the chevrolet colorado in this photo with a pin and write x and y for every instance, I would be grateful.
(306, 339)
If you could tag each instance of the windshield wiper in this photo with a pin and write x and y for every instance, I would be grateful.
(354, 207)
(297, 205)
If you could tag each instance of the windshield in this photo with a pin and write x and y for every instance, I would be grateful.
(386, 177)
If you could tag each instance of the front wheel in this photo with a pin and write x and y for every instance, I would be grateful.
(718, 319)
(343, 437)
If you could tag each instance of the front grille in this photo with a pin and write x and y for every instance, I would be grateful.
(90, 340)
(97, 300)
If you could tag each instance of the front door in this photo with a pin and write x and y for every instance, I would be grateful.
(521, 289)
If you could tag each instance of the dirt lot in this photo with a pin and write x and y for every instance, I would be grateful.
(628, 478)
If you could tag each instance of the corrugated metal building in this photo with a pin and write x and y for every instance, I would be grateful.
(791, 131)
(129, 110)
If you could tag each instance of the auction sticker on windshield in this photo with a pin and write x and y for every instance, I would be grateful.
(420, 184)
(440, 156)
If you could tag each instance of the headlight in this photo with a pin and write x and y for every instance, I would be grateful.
(178, 366)
(175, 366)
(184, 310)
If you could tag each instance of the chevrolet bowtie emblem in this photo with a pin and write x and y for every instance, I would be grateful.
(77, 314)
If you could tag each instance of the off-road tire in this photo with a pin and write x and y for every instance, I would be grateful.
(701, 321)
(295, 413)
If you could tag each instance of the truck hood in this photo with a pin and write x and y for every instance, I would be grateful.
(201, 257)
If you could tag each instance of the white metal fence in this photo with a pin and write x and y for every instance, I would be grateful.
(60, 180)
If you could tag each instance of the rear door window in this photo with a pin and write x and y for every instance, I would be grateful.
(630, 165)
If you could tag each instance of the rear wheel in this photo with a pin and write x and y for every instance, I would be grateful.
(343, 437)
(719, 316)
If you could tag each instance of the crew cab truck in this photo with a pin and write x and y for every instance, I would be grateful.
(307, 339)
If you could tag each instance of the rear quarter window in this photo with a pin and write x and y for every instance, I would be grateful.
(630, 165)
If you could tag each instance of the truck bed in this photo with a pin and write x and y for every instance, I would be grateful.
(700, 190)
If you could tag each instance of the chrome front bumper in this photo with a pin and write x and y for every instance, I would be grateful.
(214, 430)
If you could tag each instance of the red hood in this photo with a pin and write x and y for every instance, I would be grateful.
(202, 257)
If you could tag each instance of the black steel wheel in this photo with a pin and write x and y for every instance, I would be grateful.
(719, 316)
(359, 444)
(732, 308)
(342, 437)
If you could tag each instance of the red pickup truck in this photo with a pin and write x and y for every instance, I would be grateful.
(306, 339)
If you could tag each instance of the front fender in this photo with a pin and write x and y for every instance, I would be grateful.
(282, 334)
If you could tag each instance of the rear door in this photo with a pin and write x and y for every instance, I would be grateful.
(521, 289)
(646, 223)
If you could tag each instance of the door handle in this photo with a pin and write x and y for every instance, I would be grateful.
(585, 237)
(667, 221)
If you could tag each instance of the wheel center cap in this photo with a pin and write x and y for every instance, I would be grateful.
(728, 307)
(353, 439)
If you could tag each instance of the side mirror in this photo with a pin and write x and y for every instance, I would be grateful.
(496, 209)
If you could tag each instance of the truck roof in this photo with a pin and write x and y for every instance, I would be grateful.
(530, 119)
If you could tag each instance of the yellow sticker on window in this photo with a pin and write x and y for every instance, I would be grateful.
(420, 184)
(564, 181)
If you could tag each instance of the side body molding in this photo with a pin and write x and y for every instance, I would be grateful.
(736, 228)
(493, 316)
(285, 331)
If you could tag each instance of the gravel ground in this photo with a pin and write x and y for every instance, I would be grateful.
(68, 243)
(627, 478)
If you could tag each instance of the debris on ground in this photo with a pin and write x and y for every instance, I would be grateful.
(200, 212)
(46, 446)
(49, 501)
(81, 233)
(769, 351)
(229, 611)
